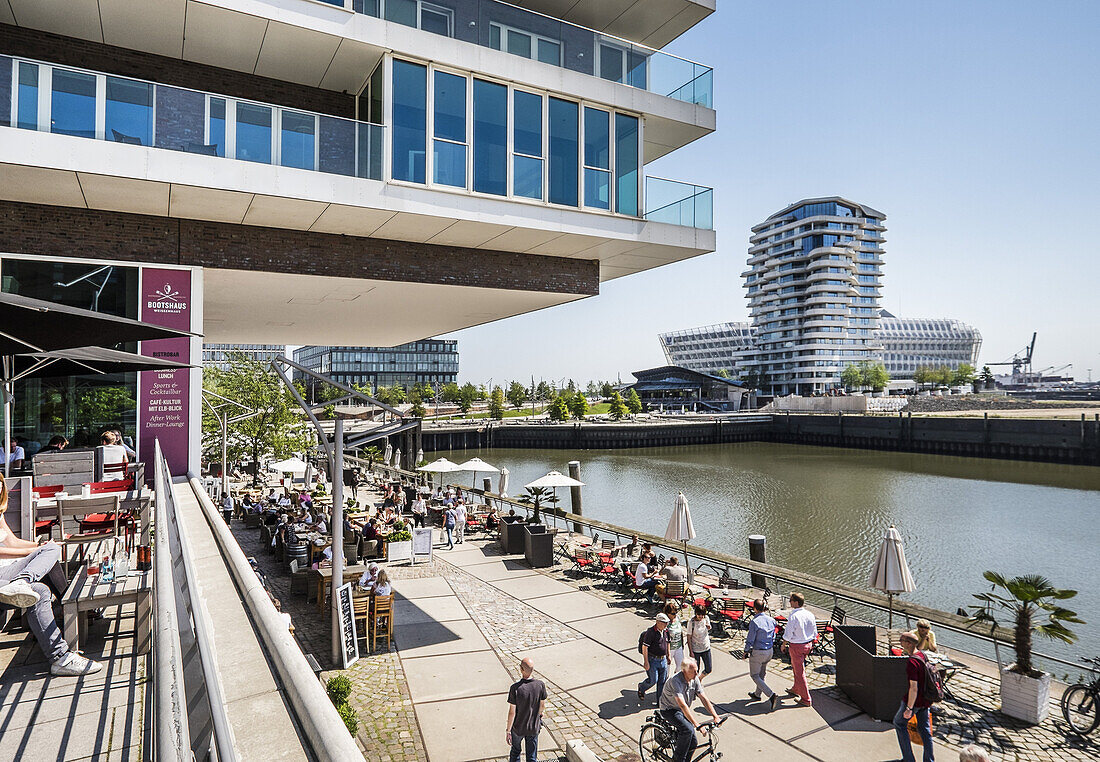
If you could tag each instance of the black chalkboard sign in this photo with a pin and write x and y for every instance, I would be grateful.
(349, 644)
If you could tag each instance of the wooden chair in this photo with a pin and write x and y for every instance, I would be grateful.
(299, 579)
(360, 604)
(72, 528)
(99, 522)
(381, 621)
(675, 590)
(115, 485)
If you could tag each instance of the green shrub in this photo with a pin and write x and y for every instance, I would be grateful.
(350, 718)
(339, 688)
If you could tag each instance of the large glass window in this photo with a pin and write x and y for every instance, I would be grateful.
(216, 126)
(299, 140)
(437, 19)
(254, 133)
(449, 127)
(519, 42)
(527, 144)
(72, 108)
(626, 164)
(27, 116)
(619, 64)
(597, 158)
(490, 138)
(401, 11)
(129, 111)
(564, 152)
(410, 126)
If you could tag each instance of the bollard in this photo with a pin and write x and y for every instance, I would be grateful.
(487, 484)
(758, 552)
(575, 492)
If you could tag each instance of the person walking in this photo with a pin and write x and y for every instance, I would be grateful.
(697, 633)
(798, 640)
(420, 511)
(227, 506)
(913, 702)
(653, 645)
(526, 704)
(460, 522)
(449, 518)
(759, 648)
(675, 703)
(675, 634)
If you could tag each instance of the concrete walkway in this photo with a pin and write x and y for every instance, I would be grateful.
(459, 681)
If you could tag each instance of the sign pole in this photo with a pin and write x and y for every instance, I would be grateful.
(337, 532)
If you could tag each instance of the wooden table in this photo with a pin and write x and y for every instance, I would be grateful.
(130, 501)
(87, 593)
(324, 580)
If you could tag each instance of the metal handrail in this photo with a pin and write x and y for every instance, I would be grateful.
(223, 746)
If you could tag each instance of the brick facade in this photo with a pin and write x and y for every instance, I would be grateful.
(69, 51)
(52, 231)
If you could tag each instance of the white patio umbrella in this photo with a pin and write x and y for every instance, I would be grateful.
(295, 466)
(387, 455)
(475, 465)
(397, 458)
(890, 574)
(554, 479)
(441, 466)
(502, 483)
(680, 528)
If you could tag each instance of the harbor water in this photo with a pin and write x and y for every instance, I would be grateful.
(824, 511)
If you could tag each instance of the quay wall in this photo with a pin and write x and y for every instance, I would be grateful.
(1072, 441)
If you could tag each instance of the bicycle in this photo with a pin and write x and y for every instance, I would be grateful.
(1081, 702)
(656, 739)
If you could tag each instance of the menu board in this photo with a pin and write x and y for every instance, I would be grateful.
(422, 543)
(349, 644)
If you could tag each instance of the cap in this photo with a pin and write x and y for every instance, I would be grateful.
(662, 618)
(372, 566)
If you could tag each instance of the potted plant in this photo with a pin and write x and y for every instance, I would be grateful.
(1033, 603)
(399, 542)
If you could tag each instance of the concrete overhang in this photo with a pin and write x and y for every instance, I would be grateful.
(62, 170)
(651, 22)
(320, 45)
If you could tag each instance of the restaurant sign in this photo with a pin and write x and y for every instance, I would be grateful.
(349, 644)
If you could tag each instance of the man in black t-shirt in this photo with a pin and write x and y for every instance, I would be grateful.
(526, 702)
(913, 702)
(655, 657)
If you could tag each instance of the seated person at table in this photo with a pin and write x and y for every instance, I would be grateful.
(382, 584)
(28, 575)
(673, 572)
(644, 579)
(305, 500)
(369, 578)
(926, 639)
(120, 440)
(272, 497)
(491, 519)
(438, 494)
(320, 525)
(57, 444)
(114, 454)
(370, 533)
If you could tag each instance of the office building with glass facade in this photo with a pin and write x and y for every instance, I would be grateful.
(431, 361)
(220, 355)
(348, 171)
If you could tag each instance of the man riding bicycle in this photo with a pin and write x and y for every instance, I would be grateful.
(675, 706)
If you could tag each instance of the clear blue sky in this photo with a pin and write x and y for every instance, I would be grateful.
(975, 126)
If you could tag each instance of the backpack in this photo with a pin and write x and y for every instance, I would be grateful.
(641, 638)
(932, 685)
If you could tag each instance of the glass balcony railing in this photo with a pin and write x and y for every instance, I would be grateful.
(678, 203)
(525, 33)
(68, 101)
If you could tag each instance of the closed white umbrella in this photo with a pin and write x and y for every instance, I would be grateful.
(475, 465)
(387, 455)
(890, 574)
(419, 456)
(397, 458)
(680, 528)
(502, 483)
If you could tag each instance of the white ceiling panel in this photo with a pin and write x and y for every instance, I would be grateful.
(520, 239)
(468, 233)
(293, 54)
(221, 37)
(567, 245)
(350, 220)
(607, 249)
(281, 212)
(405, 226)
(6, 16)
(208, 204)
(608, 272)
(72, 18)
(36, 185)
(156, 29)
(351, 67)
(122, 194)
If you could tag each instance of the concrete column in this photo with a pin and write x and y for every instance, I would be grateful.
(337, 534)
(758, 552)
(575, 492)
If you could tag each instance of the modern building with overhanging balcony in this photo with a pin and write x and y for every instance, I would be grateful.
(338, 173)
(430, 361)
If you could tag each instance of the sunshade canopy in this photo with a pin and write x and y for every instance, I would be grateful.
(80, 361)
(890, 574)
(441, 466)
(554, 479)
(477, 464)
(290, 465)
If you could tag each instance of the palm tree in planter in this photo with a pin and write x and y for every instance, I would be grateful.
(1033, 603)
(536, 496)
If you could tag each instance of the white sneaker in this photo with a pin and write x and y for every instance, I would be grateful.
(18, 593)
(73, 664)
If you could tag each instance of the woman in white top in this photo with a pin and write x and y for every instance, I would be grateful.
(382, 586)
(697, 635)
(115, 457)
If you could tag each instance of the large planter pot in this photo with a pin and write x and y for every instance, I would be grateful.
(399, 551)
(1025, 698)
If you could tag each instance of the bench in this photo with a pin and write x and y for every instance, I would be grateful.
(87, 593)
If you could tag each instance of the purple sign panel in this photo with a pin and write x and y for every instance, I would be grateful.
(164, 404)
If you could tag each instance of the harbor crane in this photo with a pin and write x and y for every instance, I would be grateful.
(1021, 362)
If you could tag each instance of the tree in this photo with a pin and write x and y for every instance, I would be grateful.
(723, 373)
(100, 406)
(482, 392)
(942, 375)
(875, 376)
(1032, 601)
(542, 391)
(417, 410)
(517, 394)
(578, 406)
(450, 393)
(987, 377)
(592, 390)
(496, 403)
(397, 394)
(535, 496)
(633, 402)
(752, 378)
(276, 430)
(963, 375)
(922, 375)
(571, 386)
(559, 410)
(466, 396)
(606, 389)
(427, 392)
(618, 409)
(851, 377)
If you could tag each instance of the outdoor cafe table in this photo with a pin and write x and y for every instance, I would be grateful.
(132, 501)
(324, 579)
(88, 592)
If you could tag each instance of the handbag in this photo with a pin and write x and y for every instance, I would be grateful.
(914, 729)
